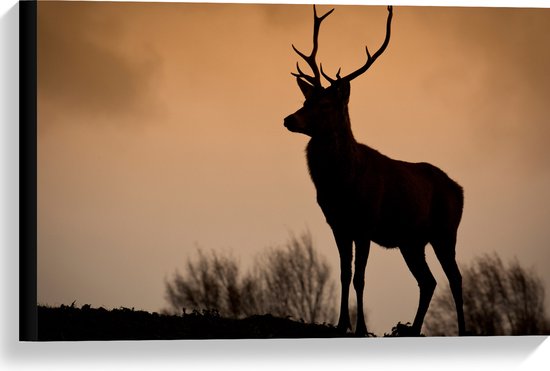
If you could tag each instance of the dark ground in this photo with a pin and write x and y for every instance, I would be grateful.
(71, 323)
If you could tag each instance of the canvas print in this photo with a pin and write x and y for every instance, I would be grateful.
(229, 171)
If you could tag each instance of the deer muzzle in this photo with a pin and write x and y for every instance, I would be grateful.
(292, 123)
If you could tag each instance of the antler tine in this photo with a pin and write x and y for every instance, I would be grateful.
(330, 79)
(371, 59)
(300, 74)
(315, 80)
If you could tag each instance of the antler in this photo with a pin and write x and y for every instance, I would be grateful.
(370, 59)
(314, 80)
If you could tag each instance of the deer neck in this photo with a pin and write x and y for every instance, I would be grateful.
(333, 154)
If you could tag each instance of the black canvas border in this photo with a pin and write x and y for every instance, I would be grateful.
(28, 321)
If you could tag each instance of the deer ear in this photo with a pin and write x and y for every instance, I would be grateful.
(305, 87)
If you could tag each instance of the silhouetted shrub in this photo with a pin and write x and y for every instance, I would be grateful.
(292, 281)
(212, 282)
(498, 300)
(296, 281)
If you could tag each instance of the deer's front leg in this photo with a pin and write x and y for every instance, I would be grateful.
(362, 249)
(344, 244)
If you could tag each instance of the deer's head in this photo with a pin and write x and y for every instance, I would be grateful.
(325, 109)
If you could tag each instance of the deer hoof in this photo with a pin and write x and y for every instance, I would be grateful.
(343, 328)
(361, 333)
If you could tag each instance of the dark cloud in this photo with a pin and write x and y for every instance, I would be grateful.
(77, 72)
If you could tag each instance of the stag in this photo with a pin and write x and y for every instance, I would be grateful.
(367, 196)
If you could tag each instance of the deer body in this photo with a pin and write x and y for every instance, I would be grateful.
(392, 203)
(367, 196)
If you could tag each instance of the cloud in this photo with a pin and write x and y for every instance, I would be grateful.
(78, 72)
(504, 54)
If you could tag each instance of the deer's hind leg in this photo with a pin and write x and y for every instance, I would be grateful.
(415, 258)
(445, 252)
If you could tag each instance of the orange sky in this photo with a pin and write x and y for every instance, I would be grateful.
(160, 130)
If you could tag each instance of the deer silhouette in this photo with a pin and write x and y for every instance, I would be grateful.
(367, 196)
